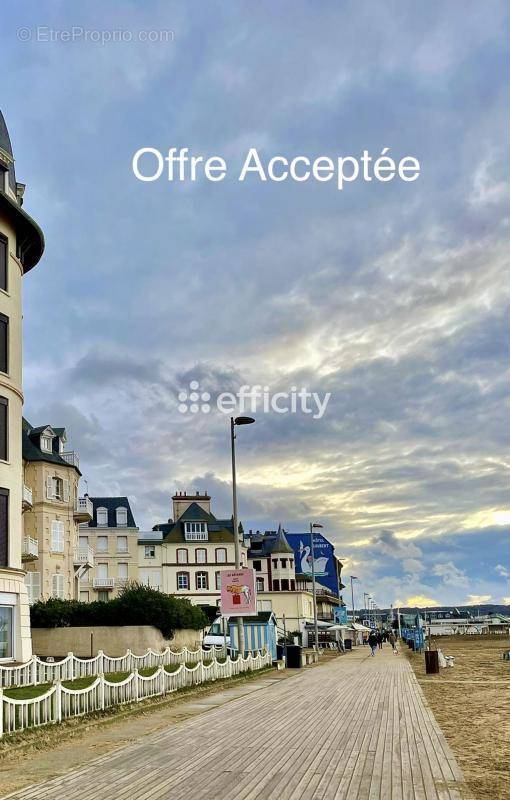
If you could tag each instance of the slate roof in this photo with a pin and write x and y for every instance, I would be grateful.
(29, 237)
(264, 544)
(220, 530)
(111, 504)
(32, 452)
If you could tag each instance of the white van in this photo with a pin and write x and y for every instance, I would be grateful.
(215, 636)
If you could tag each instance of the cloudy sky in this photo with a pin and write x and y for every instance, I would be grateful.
(393, 297)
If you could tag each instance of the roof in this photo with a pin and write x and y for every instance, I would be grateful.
(112, 504)
(264, 544)
(262, 617)
(220, 530)
(31, 450)
(29, 237)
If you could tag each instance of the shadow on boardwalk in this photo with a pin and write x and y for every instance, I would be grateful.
(355, 727)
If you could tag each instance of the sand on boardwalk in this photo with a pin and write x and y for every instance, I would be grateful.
(471, 702)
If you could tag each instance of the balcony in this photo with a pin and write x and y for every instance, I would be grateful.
(103, 583)
(72, 458)
(84, 557)
(27, 500)
(30, 549)
(84, 510)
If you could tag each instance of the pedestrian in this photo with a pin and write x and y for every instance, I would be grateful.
(379, 640)
(372, 641)
(393, 641)
(365, 639)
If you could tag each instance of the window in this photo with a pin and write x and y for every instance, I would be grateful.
(150, 551)
(122, 544)
(276, 586)
(102, 544)
(284, 563)
(275, 563)
(202, 580)
(57, 586)
(182, 555)
(4, 262)
(122, 571)
(102, 571)
(150, 577)
(257, 566)
(4, 427)
(195, 531)
(121, 516)
(291, 562)
(293, 586)
(83, 542)
(6, 631)
(221, 555)
(218, 580)
(47, 443)
(4, 528)
(260, 584)
(102, 516)
(4, 343)
(33, 584)
(57, 538)
(285, 585)
(201, 555)
(183, 580)
(84, 597)
(102, 596)
(57, 489)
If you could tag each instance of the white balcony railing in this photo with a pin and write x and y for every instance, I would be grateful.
(84, 556)
(103, 583)
(27, 497)
(30, 549)
(84, 509)
(72, 458)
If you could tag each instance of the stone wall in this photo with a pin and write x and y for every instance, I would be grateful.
(114, 641)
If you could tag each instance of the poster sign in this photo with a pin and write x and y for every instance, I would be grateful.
(238, 595)
(324, 561)
(340, 615)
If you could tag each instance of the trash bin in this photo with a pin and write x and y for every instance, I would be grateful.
(431, 662)
(279, 651)
(348, 644)
(293, 656)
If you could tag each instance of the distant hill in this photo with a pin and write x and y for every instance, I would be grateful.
(483, 608)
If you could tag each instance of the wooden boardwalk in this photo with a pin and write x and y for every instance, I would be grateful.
(355, 727)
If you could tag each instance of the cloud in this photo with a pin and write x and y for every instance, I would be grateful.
(452, 575)
(503, 571)
(420, 601)
(477, 599)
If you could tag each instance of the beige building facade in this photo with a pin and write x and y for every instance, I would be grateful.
(21, 247)
(53, 510)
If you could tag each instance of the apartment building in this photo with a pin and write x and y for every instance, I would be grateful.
(21, 247)
(112, 535)
(52, 512)
(186, 554)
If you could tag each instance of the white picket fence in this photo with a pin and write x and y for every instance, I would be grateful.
(38, 671)
(60, 703)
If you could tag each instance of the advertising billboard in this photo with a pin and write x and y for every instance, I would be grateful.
(325, 563)
(238, 594)
(340, 615)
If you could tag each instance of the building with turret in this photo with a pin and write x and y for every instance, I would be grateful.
(21, 247)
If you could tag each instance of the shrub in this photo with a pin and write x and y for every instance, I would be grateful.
(136, 605)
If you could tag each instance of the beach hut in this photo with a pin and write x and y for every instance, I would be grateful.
(259, 633)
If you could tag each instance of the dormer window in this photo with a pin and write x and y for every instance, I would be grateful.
(121, 517)
(46, 443)
(102, 517)
(195, 531)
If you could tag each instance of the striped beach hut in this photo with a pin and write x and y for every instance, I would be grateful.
(259, 632)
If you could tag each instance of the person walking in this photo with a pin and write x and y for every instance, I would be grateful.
(393, 641)
(379, 640)
(372, 641)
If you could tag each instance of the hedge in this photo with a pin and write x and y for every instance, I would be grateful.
(136, 605)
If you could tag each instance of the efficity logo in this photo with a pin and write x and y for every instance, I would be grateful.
(253, 399)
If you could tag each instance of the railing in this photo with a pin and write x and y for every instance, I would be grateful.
(30, 549)
(72, 458)
(27, 496)
(38, 671)
(103, 583)
(61, 702)
(84, 507)
(84, 555)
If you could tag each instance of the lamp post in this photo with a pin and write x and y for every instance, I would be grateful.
(353, 578)
(233, 422)
(314, 525)
(365, 596)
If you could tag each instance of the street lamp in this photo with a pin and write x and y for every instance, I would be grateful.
(353, 578)
(233, 422)
(314, 525)
(365, 596)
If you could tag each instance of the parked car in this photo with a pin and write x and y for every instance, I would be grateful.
(215, 636)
